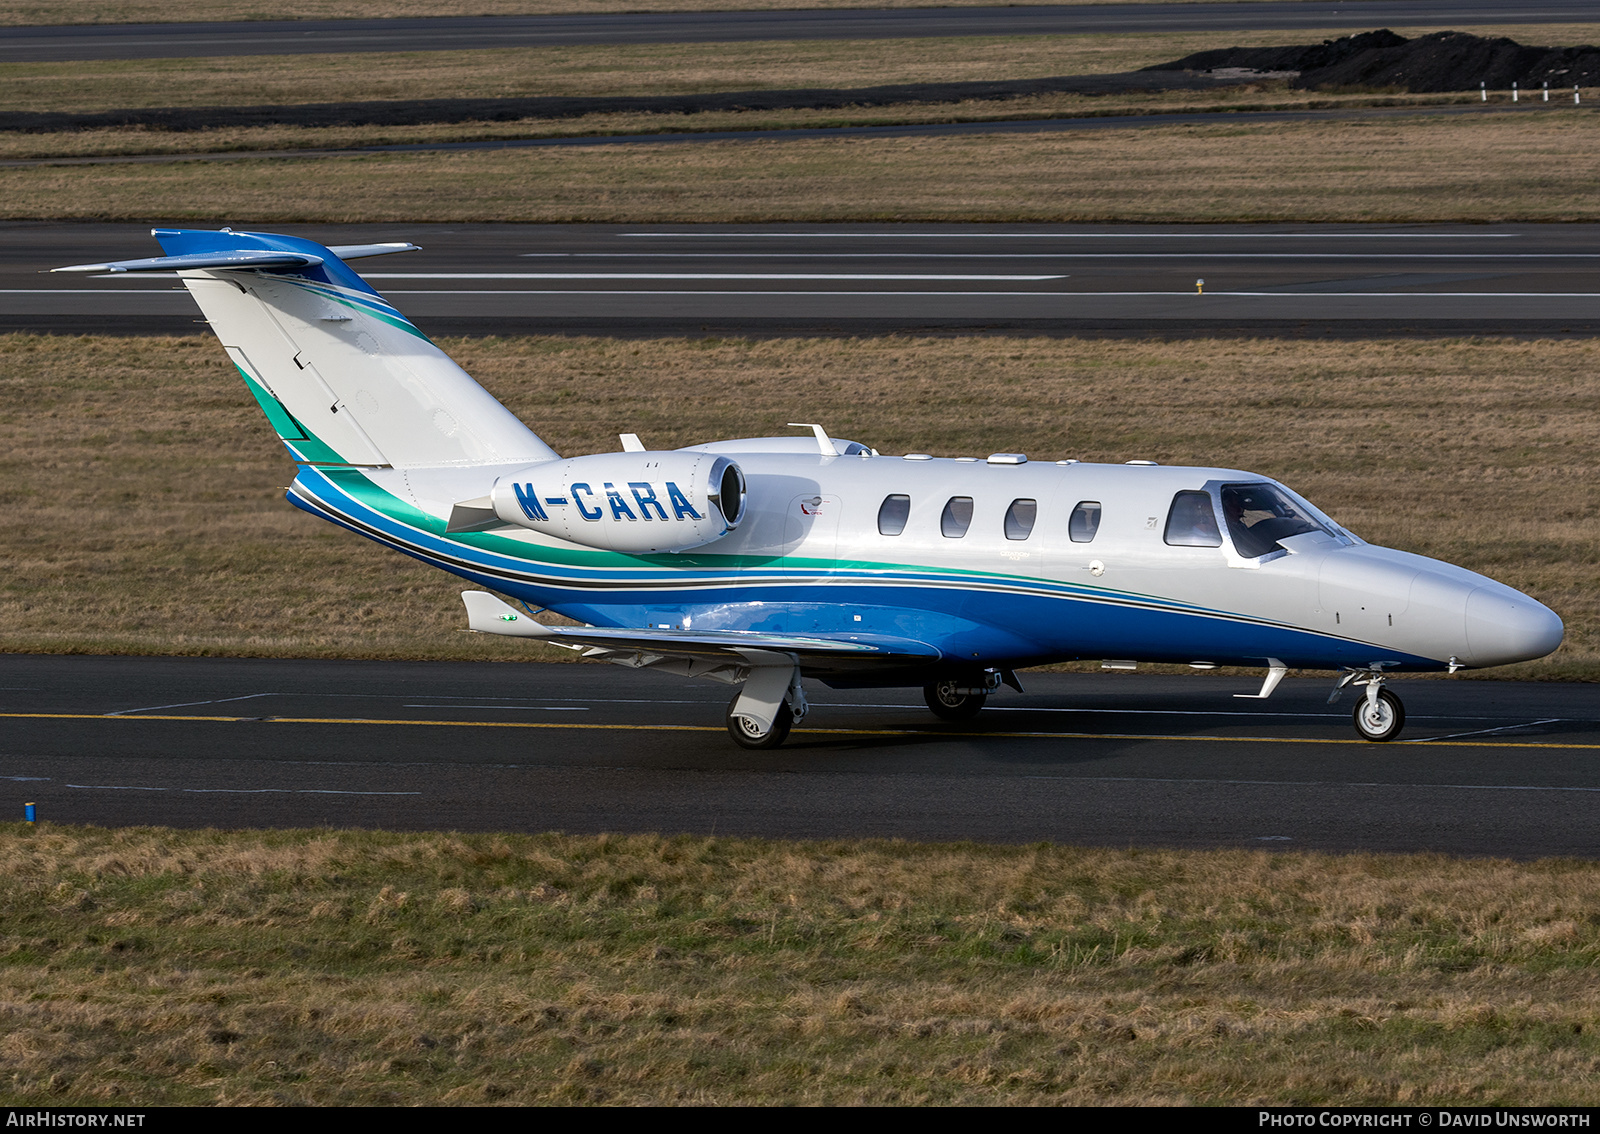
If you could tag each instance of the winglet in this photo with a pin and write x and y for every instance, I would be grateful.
(486, 614)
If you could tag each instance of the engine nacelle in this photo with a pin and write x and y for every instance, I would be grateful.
(633, 502)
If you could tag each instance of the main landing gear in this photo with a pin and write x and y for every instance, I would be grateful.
(960, 698)
(953, 700)
(747, 732)
(1378, 716)
(767, 706)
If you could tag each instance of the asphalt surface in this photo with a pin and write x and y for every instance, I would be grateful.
(139, 41)
(1484, 768)
(1340, 280)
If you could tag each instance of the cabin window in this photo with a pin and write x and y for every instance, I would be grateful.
(957, 517)
(1192, 521)
(1085, 521)
(1020, 517)
(1259, 515)
(892, 514)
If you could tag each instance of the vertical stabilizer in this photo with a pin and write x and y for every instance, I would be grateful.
(343, 377)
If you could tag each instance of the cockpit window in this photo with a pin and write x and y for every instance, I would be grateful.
(1259, 515)
(892, 514)
(957, 517)
(1192, 521)
(1085, 521)
(1020, 517)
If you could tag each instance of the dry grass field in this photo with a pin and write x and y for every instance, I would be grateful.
(34, 12)
(630, 69)
(584, 70)
(149, 967)
(145, 493)
(281, 138)
(1539, 165)
(634, 70)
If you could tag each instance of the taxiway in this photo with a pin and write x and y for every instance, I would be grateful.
(1485, 768)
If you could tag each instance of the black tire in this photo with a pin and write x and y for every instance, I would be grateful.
(1382, 721)
(946, 704)
(746, 737)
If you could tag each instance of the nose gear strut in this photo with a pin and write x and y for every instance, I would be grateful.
(1380, 715)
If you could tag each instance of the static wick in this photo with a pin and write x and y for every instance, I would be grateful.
(28, 813)
(1199, 287)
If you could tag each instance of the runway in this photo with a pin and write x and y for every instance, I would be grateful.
(143, 41)
(1485, 768)
(639, 280)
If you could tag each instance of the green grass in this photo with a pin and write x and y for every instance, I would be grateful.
(149, 967)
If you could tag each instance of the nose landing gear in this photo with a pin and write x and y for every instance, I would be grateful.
(1379, 716)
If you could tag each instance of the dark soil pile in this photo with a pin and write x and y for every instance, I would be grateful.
(1444, 61)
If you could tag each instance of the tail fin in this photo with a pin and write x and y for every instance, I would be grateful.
(343, 377)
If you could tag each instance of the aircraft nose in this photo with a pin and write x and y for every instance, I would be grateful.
(1505, 626)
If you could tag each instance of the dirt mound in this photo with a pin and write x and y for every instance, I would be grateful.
(1444, 61)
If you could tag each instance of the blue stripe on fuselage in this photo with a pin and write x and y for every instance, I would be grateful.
(989, 620)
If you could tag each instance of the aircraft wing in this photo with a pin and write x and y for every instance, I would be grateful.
(487, 614)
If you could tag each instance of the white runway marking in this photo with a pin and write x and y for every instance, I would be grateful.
(1483, 731)
(1054, 294)
(1053, 256)
(520, 708)
(1315, 783)
(1073, 235)
(679, 276)
(187, 704)
(234, 791)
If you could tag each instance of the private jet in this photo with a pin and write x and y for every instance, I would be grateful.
(760, 561)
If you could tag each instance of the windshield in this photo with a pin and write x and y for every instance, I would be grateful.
(1259, 515)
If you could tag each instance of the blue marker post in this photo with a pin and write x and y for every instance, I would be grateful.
(28, 811)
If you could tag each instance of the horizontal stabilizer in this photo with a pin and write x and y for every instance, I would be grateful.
(488, 615)
(361, 251)
(246, 259)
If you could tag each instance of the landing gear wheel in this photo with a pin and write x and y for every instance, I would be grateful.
(1382, 720)
(746, 735)
(949, 705)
